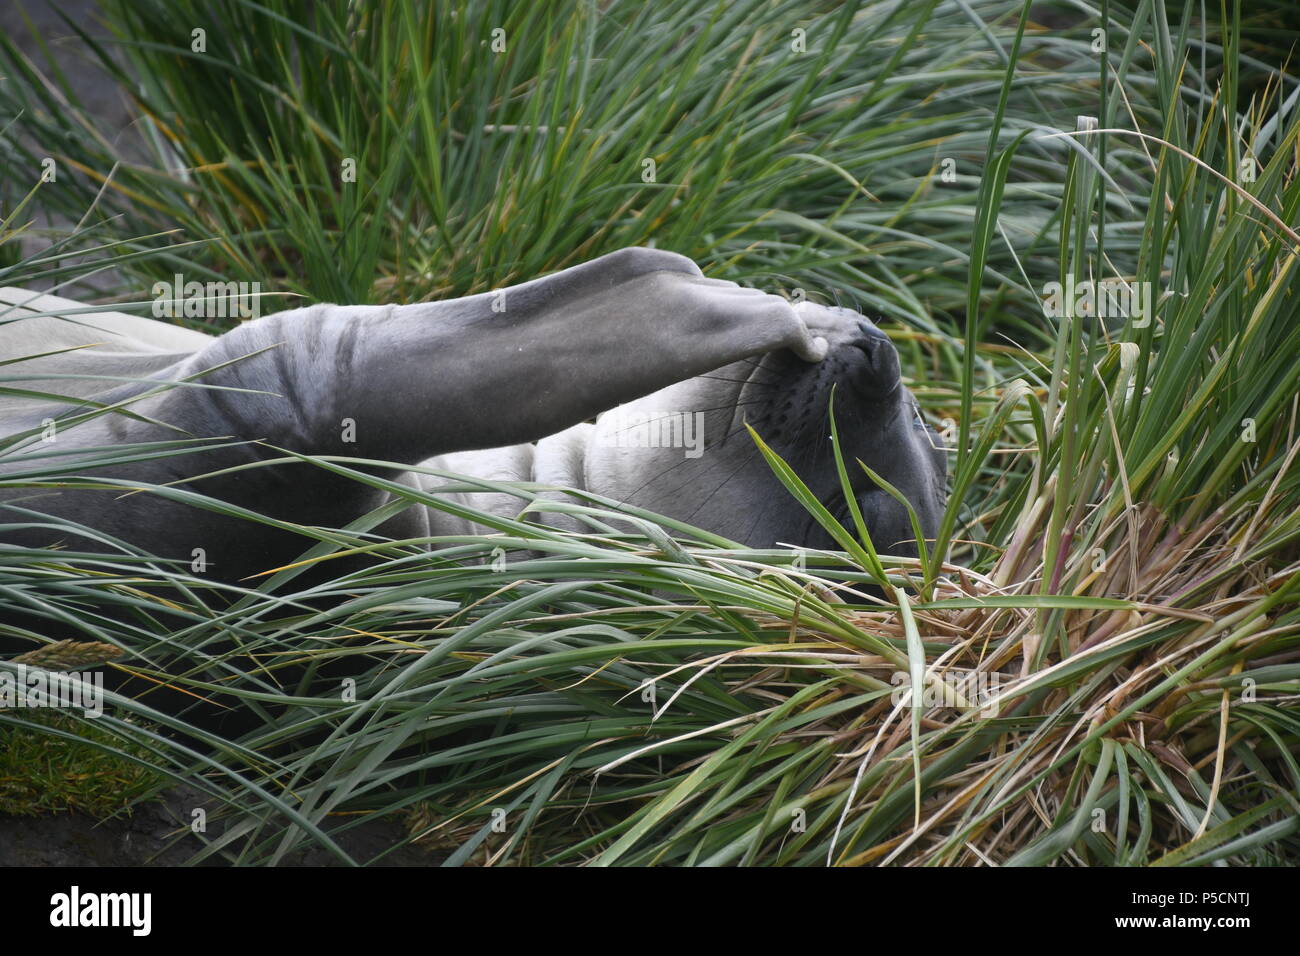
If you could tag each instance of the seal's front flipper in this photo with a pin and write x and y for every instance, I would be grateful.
(493, 369)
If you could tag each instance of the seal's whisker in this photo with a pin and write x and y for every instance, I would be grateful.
(719, 486)
(740, 381)
(670, 416)
(675, 465)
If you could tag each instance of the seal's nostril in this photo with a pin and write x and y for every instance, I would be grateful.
(872, 332)
(871, 351)
(871, 341)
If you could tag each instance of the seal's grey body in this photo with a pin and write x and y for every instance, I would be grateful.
(467, 385)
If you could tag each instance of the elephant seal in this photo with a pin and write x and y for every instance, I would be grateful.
(684, 451)
(500, 385)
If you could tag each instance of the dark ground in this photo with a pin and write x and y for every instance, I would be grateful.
(98, 92)
(156, 834)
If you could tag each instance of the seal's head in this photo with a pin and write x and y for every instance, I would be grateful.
(684, 451)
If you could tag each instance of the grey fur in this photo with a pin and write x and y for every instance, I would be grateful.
(457, 385)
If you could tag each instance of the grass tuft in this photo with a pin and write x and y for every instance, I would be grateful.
(1097, 661)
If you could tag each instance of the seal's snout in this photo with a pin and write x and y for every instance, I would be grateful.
(873, 362)
(860, 356)
(871, 341)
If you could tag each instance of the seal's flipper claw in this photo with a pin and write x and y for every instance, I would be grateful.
(813, 348)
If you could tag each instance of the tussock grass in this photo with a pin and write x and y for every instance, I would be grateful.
(1107, 622)
(53, 762)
